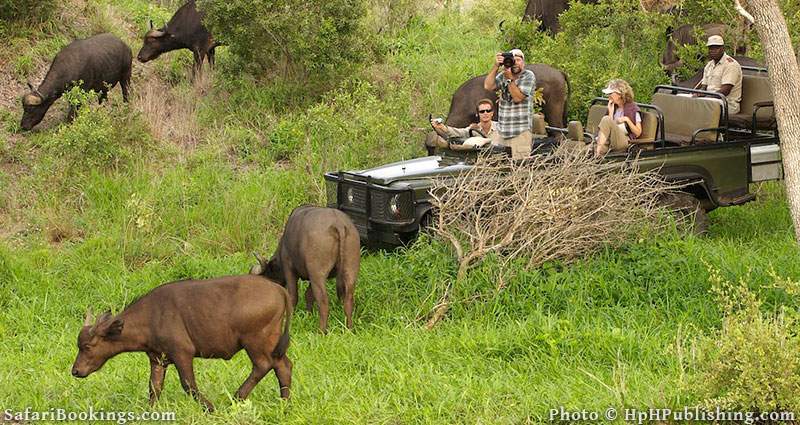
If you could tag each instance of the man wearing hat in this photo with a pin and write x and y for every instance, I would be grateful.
(722, 74)
(515, 102)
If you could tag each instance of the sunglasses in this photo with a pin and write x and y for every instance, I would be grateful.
(484, 111)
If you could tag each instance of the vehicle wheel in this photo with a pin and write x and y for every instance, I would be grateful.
(689, 211)
(426, 223)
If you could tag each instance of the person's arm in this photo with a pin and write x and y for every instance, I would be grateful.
(635, 127)
(522, 87)
(488, 82)
(447, 131)
(725, 89)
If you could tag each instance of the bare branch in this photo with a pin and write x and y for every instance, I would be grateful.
(742, 11)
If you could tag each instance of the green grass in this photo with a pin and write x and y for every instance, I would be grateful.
(102, 211)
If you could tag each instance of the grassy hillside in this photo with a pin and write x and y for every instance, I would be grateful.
(188, 179)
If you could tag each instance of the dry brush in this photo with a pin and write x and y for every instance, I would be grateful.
(560, 206)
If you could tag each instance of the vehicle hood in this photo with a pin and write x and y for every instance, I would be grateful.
(418, 168)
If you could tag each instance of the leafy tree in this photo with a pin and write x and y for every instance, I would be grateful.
(313, 39)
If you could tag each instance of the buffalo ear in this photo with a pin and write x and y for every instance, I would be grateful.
(114, 329)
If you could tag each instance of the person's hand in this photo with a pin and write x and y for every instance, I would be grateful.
(696, 95)
(621, 120)
(508, 74)
(498, 59)
(437, 125)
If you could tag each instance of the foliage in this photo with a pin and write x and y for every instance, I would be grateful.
(753, 363)
(99, 137)
(312, 40)
(31, 11)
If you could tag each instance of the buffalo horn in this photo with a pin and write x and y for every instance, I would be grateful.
(31, 99)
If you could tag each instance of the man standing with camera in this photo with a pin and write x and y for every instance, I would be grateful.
(515, 103)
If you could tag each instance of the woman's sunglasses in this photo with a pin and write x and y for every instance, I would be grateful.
(484, 111)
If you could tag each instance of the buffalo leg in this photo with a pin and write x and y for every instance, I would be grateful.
(321, 295)
(345, 285)
(309, 298)
(186, 372)
(291, 284)
(283, 370)
(211, 57)
(158, 371)
(126, 81)
(261, 366)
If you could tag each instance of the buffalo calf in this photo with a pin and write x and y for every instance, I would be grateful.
(317, 244)
(178, 321)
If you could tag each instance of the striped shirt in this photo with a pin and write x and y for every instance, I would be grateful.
(515, 118)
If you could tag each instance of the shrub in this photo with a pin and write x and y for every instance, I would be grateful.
(306, 39)
(99, 136)
(33, 11)
(753, 363)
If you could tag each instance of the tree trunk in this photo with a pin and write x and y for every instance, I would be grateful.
(784, 76)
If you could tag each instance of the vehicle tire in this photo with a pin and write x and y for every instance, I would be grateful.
(689, 211)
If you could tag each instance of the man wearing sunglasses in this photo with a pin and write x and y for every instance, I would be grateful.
(515, 103)
(477, 134)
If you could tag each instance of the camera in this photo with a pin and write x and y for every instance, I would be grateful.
(508, 59)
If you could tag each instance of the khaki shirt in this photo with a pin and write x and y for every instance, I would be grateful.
(726, 71)
(463, 133)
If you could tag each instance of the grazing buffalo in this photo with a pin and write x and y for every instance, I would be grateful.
(317, 244)
(184, 31)
(179, 321)
(547, 12)
(695, 79)
(555, 91)
(685, 35)
(98, 63)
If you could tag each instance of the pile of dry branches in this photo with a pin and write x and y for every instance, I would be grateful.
(560, 206)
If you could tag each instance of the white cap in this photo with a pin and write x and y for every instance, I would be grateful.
(517, 52)
(715, 40)
(608, 90)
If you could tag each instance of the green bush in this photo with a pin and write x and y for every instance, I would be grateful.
(305, 39)
(99, 136)
(32, 11)
(753, 363)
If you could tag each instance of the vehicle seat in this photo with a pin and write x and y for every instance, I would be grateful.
(684, 115)
(755, 89)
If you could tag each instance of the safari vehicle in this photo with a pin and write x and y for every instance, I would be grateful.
(691, 140)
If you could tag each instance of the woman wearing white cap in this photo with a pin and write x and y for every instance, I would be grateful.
(623, 121)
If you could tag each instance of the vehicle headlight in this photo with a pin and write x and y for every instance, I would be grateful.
(350, 195)
(394, 205)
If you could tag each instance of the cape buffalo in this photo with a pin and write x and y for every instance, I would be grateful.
(179, 321)
(555, 91)
(98, 62)
(317, 244)
(184, 30)
(547, 12)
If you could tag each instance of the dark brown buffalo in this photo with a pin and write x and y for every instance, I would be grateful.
(317, 244)
(179, 321)
(184, 31)
(695, 79)
(547, 12)
(555, 91)
(98, 62)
